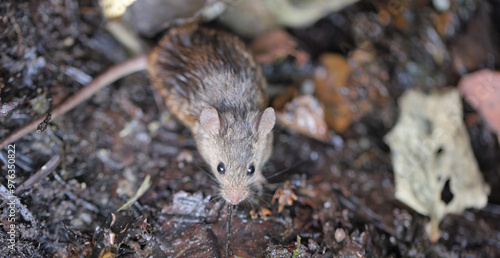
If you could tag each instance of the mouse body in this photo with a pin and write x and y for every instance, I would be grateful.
(210, 82)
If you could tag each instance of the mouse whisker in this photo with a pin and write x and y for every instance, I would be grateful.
(218, 200)
(286, 169)
(254, 196)
(249, 202)
(266, 167)
(262, 200)
(212, 177)
(215, 198)
(267, 195)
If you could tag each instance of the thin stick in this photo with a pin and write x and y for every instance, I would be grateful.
(228, 227)
(46, 169)
(109, 76)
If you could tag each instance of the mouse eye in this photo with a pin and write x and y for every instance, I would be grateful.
(250, 170)
(221, 168)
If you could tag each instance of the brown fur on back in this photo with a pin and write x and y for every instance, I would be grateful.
(195, 67)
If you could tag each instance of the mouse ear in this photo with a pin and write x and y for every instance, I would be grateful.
(209, 120)
(265, 122)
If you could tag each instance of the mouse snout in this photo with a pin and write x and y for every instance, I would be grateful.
(234, 196)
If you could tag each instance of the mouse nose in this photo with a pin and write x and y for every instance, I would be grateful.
(234, 196)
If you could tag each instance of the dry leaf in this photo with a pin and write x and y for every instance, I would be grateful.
(330, 81)
(349, 89)
(187, 204)
(285, 196)
(306, 116)
(431, 149)
(275, 46)
(293, 13)
(256, 17)
(482, 91)
(262, 212)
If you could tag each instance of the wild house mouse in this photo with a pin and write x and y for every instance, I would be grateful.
(210, 82)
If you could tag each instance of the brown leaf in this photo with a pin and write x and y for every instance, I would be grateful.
(262, 212)
(330, 83)
(345, 90)
(275, 46)
(306, 116)
(350, 88)
(285, 196)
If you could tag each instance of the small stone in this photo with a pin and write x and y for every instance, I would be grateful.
(312, 245)
(185, 155)
(339, 235)
(441, 5)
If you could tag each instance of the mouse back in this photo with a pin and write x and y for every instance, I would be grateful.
(195, 67)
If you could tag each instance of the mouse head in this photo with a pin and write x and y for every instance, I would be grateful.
(236, 146)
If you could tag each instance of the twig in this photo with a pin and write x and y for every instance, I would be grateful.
(228, 228)
(109, 76)
(40, 174)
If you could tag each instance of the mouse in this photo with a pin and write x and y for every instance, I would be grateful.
(209, 81)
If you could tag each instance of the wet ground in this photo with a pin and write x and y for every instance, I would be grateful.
(340, 188)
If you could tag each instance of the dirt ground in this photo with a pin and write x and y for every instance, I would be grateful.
(340, 189)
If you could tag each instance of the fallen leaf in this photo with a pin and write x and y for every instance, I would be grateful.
(256, 17)
(275, 46)
(349, 89)
(285, 196)
(431, 151)
(305, 115)
(262, 212)
(188, 204)
(482, 90)
(330, 81)
(292, 13)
